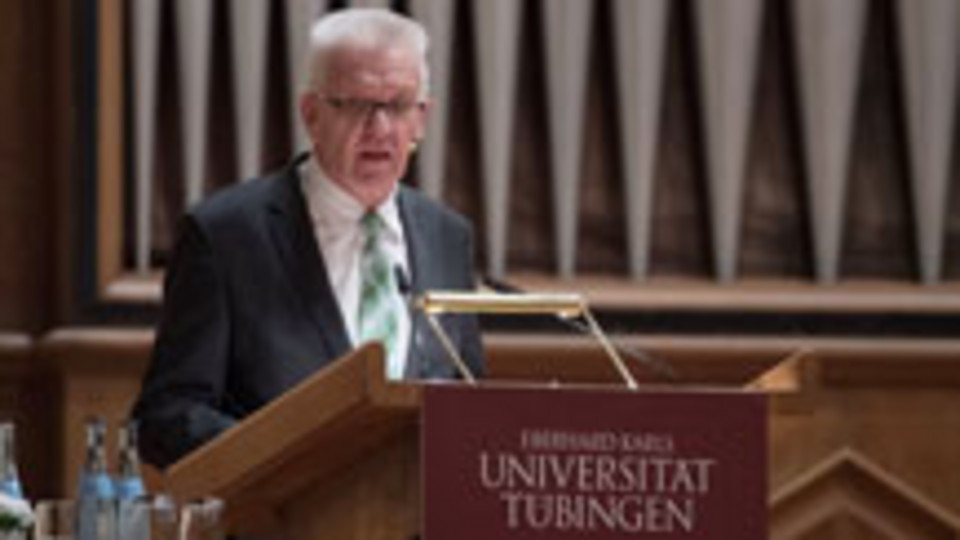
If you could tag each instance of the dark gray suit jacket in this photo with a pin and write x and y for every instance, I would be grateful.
(249, 312)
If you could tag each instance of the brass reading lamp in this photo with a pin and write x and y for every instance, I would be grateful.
(566, 305)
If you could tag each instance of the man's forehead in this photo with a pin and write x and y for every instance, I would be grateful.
(351, 57)
(394, 66)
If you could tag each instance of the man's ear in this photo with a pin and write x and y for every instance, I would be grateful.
(308, 111)
(422, 113)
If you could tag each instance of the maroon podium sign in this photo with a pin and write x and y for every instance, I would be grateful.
(543, 463)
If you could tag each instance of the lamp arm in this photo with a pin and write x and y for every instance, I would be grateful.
(611, 351)
(451, 351)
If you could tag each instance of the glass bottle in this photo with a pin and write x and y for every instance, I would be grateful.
(129, 484)
(131, 523)
(96, 497)
(9, 476)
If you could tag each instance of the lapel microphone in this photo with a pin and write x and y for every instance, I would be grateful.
(406, 295)
(640, 356)
(403, 283)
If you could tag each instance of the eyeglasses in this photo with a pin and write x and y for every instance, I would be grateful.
(357, 109)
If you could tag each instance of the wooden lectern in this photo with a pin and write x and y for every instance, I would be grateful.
(336, 457)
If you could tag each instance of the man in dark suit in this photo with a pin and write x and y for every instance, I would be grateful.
(273, 279)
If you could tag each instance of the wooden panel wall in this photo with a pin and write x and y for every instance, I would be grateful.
(27, 212)
(94, 372)
(28, 400)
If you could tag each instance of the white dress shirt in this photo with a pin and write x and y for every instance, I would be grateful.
(336, 219)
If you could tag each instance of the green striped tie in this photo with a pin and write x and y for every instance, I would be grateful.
(377, 318)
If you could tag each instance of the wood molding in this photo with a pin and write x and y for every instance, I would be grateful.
(672, 294)
(754, 295)
(110, 143)
(842, 361)
(92, 349)
(849, 482)
(740, 359)
(134, 288)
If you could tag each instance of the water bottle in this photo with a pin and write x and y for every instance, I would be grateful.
(9, 477)
(131, 520)
(97, 496)
(129, 483)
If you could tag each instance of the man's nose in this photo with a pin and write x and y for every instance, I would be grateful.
(379, 120)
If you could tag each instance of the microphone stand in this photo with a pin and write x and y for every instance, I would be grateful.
(406, 290)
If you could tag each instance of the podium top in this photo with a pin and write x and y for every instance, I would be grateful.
(306, 434)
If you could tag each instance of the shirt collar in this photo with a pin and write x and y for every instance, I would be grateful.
(332, 207)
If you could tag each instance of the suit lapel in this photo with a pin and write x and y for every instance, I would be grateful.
(425, 358)
(417, 257)
(418, 251)
(292, 233)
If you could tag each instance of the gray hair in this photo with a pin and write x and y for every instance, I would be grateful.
(365, 27)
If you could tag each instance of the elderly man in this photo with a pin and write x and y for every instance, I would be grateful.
(273, 279)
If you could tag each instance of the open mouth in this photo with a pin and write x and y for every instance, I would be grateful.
(376, 156)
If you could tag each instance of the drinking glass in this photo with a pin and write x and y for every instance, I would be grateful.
(150, 517)
(55, 520)
(202, 520)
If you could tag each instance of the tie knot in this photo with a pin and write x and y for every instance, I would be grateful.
(372, 225)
